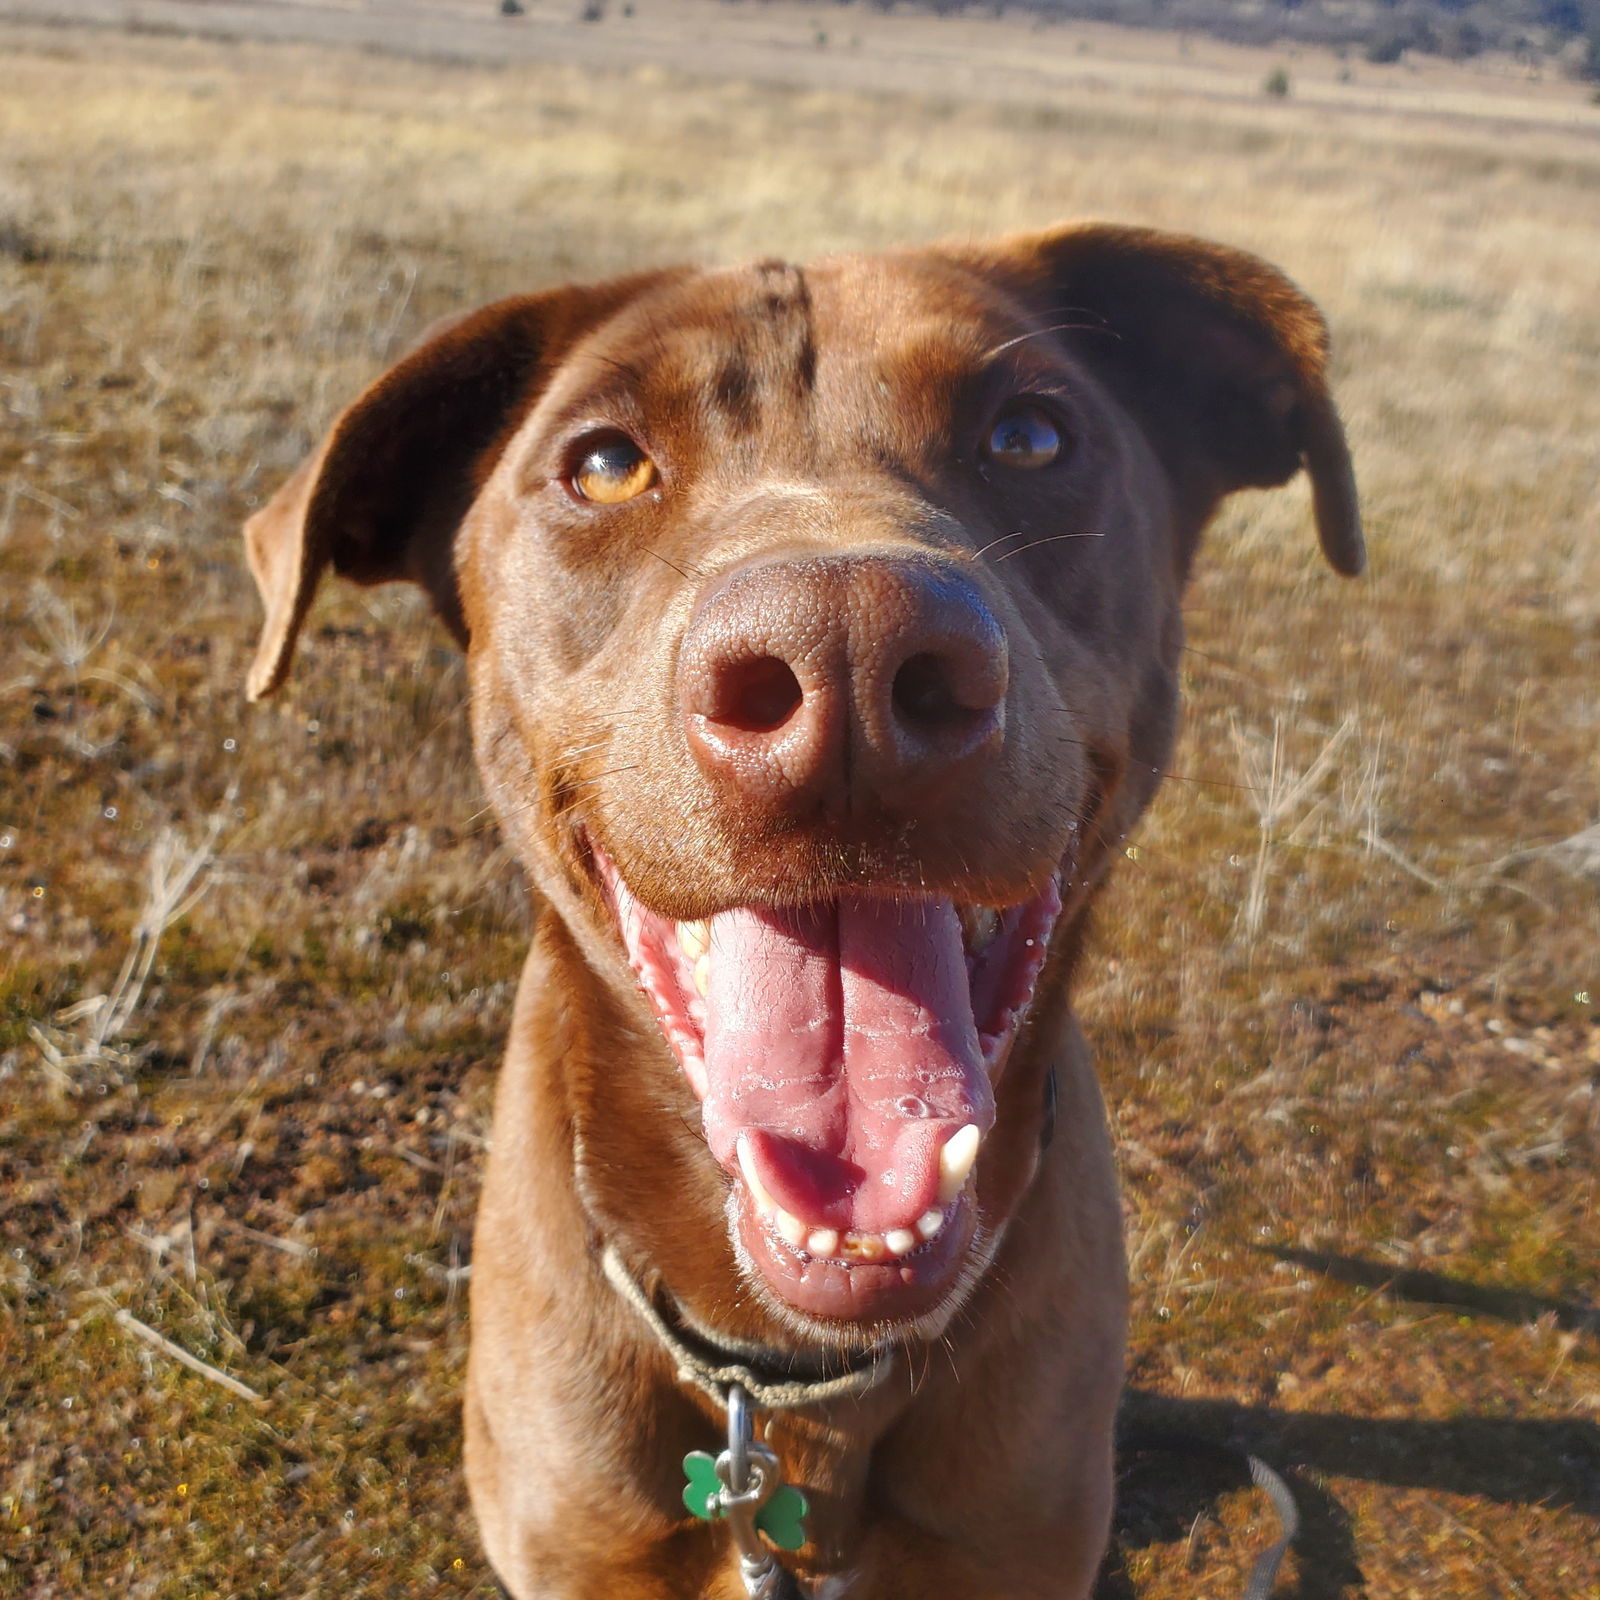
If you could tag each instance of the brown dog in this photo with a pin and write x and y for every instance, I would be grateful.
(823, 628)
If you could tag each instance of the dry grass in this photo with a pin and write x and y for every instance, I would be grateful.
(1347, 1001)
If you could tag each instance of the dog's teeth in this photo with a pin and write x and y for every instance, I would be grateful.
(930, 1222)
(790, 1228)
(901, 1241)
(955, 1161)
(823, 1242)
(863, 1247)
(694, 939)
(758, 1190)
(702, 975)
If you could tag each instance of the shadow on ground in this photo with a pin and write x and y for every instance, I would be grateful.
(1162, 1491)
(1435, 1289)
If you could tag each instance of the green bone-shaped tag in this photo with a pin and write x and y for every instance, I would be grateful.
(781, 1519)
(701, 1491)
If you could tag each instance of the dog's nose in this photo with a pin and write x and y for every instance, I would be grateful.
(835, 681)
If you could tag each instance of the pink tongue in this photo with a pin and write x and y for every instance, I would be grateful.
(840, 1041)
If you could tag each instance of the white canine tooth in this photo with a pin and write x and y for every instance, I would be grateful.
(694, 939)
(758, 1190)
(979, 925)
(824, 1242)
(930, 1222)
(901, 1241)
(702, 975)
(790, 1228)
(955, 1161)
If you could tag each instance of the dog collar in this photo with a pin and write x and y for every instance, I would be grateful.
(744, 1484)
(715, 1366)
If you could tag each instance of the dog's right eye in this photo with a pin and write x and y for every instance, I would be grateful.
(611, 469)
(1025, 436)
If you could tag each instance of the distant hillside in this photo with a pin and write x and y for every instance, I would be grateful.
(1560, 33)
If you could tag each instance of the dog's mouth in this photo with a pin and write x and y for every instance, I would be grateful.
(844, 1056)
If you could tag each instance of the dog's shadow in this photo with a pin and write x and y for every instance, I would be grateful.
(1162, 1492)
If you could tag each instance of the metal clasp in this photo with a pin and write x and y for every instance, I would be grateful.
(750, 1476)
(744, 1486)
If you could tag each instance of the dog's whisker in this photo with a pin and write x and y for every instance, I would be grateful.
(1096, 325)
(682, 571)
(1054, 538)
(588, 785)
(983, 550)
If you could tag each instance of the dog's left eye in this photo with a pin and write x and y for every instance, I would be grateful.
(612, 469)
(1024, 436)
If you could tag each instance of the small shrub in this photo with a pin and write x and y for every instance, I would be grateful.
(1277, 83)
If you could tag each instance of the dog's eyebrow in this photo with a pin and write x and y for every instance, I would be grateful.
(624, 369)
(1095, 326)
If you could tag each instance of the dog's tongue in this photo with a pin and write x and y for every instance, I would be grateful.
(840, 1043)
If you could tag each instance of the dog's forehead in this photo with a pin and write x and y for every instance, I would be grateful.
(910, 302)
(826, 329)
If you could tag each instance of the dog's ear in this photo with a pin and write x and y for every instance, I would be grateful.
(383, 494)
(1218, 351)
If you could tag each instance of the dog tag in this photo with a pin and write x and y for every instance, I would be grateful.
(703, 1492)
(781, 1517)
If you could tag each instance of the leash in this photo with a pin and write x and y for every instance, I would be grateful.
(1264, 1571)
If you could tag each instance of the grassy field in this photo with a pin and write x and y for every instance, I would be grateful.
(255, 963)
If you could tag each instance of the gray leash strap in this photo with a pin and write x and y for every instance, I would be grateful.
(1265, 1571)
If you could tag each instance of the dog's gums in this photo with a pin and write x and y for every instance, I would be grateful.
(844, 1058)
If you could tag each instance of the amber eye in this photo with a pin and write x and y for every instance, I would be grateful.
(612, 469)
(1026, 437)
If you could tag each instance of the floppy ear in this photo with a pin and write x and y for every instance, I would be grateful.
(383, 494)
(1217, 351)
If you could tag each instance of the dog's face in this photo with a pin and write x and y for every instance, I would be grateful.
(823, 631)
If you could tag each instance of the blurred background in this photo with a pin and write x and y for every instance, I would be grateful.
(255, 962)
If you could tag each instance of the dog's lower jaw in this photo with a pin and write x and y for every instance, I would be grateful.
(852, 1340)
(557, 1357)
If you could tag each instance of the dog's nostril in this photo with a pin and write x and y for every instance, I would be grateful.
(758, 696)
(924, 694)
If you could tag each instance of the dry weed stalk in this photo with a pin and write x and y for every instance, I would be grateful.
(159, 1341)
(176, 876)
(1279, 794)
